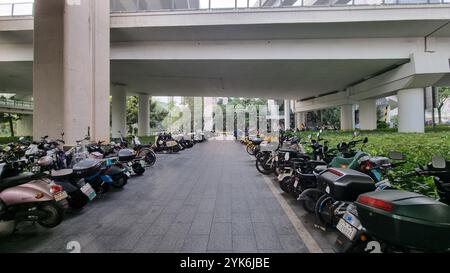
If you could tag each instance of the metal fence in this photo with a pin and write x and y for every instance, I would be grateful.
(179, 5)
(16, 104)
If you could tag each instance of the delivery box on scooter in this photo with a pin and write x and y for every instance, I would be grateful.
(406, 219)
(345, 184)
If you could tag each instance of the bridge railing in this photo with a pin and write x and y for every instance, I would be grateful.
(118, 6)
(17, 9)
(16, 104)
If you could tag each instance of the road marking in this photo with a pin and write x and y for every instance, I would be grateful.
(306, 237)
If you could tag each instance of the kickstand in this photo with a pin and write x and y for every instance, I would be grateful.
(320, 227)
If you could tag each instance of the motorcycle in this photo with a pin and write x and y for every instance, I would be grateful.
(399, 221)
(165, 143)
(344, 156)
(29, 197)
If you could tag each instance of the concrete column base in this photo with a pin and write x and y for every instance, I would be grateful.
(347, 117)
(119, 111)
(25, 126)
(144, 115)
(368, 115)
(411, 111)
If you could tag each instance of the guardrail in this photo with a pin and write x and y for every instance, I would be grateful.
(207, 5)
(27, 8)
(16, 104)
(17, 9)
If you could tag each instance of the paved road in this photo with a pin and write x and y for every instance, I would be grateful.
(206, 199)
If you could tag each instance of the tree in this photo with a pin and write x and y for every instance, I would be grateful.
(10, 119)
(443, 97)
(157, 114)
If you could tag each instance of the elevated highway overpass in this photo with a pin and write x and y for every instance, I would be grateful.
(320, 56)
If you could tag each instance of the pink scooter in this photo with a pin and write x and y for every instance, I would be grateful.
(29, 197)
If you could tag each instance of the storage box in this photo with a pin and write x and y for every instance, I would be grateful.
(409, 219)
(345, 184)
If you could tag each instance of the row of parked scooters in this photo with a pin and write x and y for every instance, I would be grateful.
(40, 180)
(348, 189)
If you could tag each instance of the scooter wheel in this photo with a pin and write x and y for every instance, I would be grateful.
(322, 210)
(286, 185)
(54, 212)
(138, 170)
(309, 203)
(120, 182)
(77, 200)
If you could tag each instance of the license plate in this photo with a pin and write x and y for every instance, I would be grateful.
(295, 183)
(89, 191)
(345, 228)
(60, 196)
(128, 174)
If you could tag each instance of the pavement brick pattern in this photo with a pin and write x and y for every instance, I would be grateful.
(206, 199)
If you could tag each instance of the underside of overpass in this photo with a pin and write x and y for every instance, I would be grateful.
(321, 57)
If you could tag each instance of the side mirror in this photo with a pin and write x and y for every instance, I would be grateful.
(438, 162)
(396, 155)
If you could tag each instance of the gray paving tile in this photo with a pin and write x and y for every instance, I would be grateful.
(220, 237)
(292, 243)
(244, 243)
(201, 224)
(195, 243)
(266, 236)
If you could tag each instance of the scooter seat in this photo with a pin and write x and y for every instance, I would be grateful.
(61, 174)
(320, 168)
(18, 180)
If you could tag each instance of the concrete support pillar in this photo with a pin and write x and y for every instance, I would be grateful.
(144, 115)
(287, 114)
(71, 76)
(300, 118)
(347, 117)
(25, 125)
(119, 111)
(368, 114)
(411, 111)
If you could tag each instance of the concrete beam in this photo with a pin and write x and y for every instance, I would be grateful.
(296, 49)
(424, 69)
(337, 99)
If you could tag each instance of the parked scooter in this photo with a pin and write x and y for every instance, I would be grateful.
(29, 197)
(165, 143)
(400, 221)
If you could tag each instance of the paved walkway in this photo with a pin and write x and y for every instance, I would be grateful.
(206, 199)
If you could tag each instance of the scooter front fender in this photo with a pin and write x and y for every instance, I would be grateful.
(37, 191)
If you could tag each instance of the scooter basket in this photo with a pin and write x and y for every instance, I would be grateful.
(408, 220)
(345, 184)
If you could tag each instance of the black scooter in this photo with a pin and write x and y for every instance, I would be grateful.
(400, 221)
